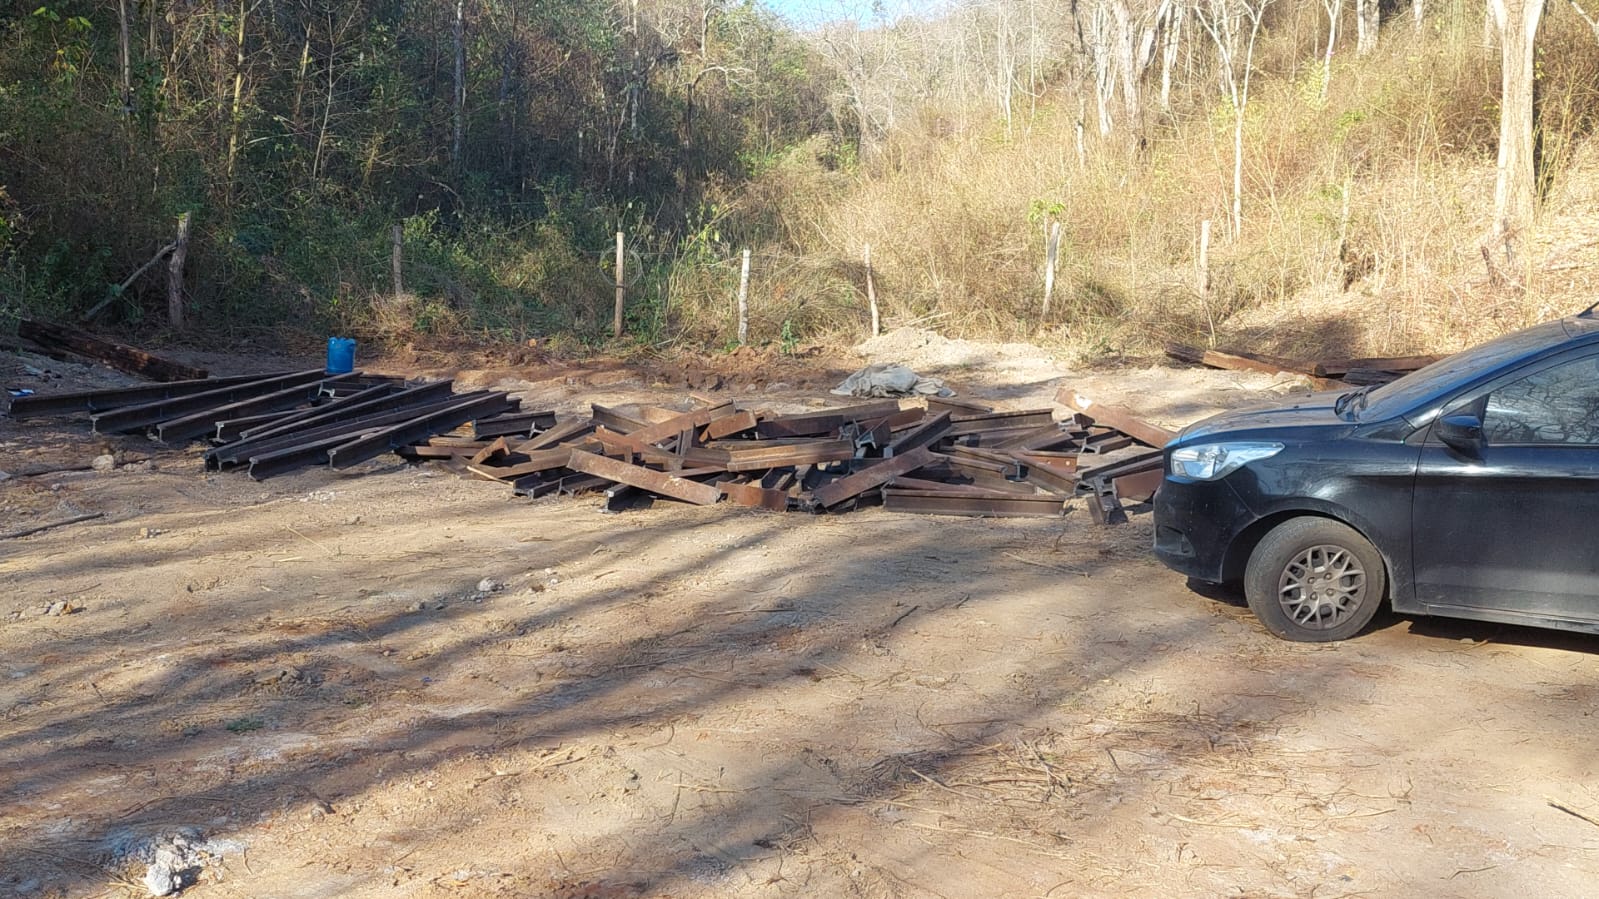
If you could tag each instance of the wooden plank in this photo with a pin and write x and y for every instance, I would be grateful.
(1117, 417)
(653, 481)
(873, 476)
(1338, 367)
(121, 357)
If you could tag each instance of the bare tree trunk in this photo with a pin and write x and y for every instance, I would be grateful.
(1100, 53)
(459, 105)
(1515, 189)
(1334, 9)
(127, 61)
(1126, 64)
(1171, 38)
(1367, 19)
(295, 120)
(327, 106)
(180, 252)
(236, 114)
(1593, 22)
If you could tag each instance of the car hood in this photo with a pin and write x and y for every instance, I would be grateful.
(1311, 411)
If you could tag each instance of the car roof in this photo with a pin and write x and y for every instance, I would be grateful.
(1418, 391)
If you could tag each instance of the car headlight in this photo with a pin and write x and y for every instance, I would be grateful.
(1210, 461)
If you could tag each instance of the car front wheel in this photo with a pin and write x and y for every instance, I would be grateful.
(1314, 580)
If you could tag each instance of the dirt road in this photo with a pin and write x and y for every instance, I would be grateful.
(699, 702)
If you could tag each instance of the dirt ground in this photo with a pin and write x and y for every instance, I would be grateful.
(310, 674)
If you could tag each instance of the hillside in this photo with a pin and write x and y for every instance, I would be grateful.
(508, 143)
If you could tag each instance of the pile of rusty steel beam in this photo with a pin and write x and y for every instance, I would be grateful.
(949, 457)
(274, 423)
(1327, 374)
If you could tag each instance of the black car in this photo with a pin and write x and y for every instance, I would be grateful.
(1467, 489)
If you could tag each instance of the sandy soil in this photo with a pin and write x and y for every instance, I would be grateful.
(695, 702)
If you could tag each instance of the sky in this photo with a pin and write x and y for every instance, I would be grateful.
(810, 13)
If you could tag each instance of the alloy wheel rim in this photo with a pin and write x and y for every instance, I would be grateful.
(1322, 587)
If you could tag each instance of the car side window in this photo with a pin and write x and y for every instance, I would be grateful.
(1558, 406)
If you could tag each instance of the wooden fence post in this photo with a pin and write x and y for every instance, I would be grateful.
(399, 236)
(1051, 250)
(871, 294)
(175, 274)
(616, 322)
(743, 301)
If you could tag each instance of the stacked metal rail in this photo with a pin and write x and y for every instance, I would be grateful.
(278, 422)
(945, 457)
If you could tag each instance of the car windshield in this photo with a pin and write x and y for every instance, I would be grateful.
(1399, 397)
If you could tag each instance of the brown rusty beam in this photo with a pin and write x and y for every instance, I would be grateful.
(121, 357)
(637, 476)
(928, 502)
(873, 476)
(494, 450)
(955, 406)
(930, 431)
(131, 418)
(616, 421)
(1139, 486)
(558, 435)
(1340, 367)
(375, 444)
(1117, 417)
(728, 425)
(813, 452)
(755, 496)
(105, 400)
(672, 427)
(826, 422)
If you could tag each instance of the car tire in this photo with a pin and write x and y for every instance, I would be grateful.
(1314, 580)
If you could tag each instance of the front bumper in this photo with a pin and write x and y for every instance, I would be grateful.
(1196, 523)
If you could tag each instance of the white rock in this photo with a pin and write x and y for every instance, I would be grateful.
(104, 462)
(489, 585)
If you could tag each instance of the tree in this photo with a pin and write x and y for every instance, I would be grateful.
(1368, 16)
(1515, 191)
(1233, 26)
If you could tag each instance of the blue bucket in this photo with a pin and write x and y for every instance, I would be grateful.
(341, 355)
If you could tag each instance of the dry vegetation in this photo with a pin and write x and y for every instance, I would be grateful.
(1365, 210)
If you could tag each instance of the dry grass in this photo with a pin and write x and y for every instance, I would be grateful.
(1364, 216)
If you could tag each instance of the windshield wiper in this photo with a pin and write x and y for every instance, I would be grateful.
(1354, 400)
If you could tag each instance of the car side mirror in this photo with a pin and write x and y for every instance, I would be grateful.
(1462, 433)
